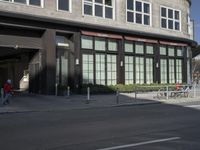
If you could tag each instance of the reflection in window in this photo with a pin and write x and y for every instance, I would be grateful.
(139, 70)
(111, 69)
(179, 70)
(163, 71)
(86, 42)
(149, 70)
(100, 69)
(129, 72)
(88, 70)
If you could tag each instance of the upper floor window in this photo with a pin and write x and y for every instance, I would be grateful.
(99, 8)
(27, 2)
(64, 5)
(138, 12)
(170, 18)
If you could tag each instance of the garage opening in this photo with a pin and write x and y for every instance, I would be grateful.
(19, 65)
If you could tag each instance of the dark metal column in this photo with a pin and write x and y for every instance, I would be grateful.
(49, 62)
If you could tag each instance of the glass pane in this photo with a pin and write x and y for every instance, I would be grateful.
(139, 48)
(87, 9)
(171, 51)
(108, 12)
(108, 2)
(100, 44)
(86, 42)
(146, 20)
(130, 16)
(163, 12)
(99, 1)
(20, 1)
(164, 23)
(138, 6)
(35, 2)
(177, 26)
(179, 51)
(149, 49)
(128, 47)
(130, 4)
(170, 13)
(170, 24)
(146, 8)
(163, 50)
(177, 17)
(98, 11)
(63, 5)
(139, 18)
(112, 45)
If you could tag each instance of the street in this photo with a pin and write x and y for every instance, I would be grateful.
(144, 127)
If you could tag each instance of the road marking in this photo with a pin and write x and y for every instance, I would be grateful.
(193, 106)
(141, 143)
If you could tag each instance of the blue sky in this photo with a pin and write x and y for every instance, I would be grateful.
(195, 15)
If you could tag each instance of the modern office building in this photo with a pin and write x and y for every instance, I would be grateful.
(107, 42)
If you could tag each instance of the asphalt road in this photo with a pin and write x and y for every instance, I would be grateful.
(148, 127)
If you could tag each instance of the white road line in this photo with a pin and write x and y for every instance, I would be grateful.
(141, 143)
(193, 106)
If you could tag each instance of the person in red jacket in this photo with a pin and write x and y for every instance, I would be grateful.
(7, 88)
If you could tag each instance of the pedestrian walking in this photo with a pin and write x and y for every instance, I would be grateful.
(7, 88)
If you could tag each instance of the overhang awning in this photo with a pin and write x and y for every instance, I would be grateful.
(106, 35)
(130, 38)
(172, 43)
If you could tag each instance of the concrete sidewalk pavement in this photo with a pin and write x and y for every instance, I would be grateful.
(35, 103)
(40, 103)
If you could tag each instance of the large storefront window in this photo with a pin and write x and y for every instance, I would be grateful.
(129, 72)
(163, 71)
(100, 69)
(104, 65)
(111, 69)
(88, 71)
(139, 70)
(149, 70)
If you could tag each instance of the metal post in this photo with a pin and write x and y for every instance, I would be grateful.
(194, 90)
(56, 92)
(2, 95)
(167, 92)
(135, 92)
(117, 96)
(68, 91)
(88, 95)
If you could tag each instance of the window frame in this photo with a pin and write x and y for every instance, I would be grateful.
(70, 7)
(142, 13)
(27, 3)
(172, 19)
(93, 3)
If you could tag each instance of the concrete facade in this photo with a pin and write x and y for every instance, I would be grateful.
(33, 32)
(50, 10)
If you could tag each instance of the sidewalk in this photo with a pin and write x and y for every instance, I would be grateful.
(43, 103)
(39, 103)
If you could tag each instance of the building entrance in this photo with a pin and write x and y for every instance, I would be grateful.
(15, 64)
